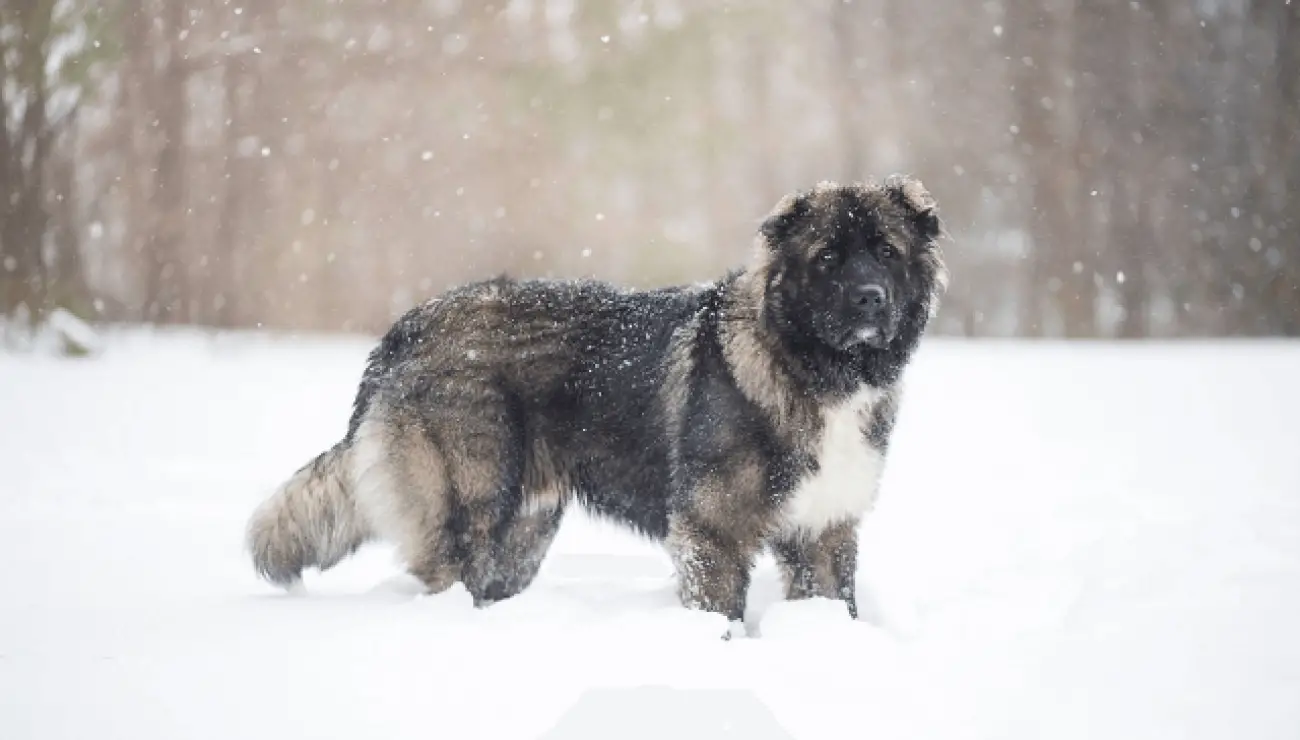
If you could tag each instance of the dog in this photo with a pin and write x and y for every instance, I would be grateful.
(722, 419)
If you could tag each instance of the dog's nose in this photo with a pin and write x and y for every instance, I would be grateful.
(867, 297)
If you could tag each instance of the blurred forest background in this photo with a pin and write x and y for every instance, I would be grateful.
(1106, 168)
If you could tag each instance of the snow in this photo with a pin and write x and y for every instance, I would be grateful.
(1084, 540)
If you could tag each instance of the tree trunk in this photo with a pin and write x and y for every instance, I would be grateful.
(68, 286)
(24, 221)
(1036, 38)
(166, 283)
(229, 248)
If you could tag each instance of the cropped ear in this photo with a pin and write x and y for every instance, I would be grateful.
(910, 193)
(781, 224)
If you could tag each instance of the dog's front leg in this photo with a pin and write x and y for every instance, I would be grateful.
(823, 565)
(712, 566)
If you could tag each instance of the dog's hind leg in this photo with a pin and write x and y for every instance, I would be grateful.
(825, 565)
(505, 543)
(473, 524)
(522, 544)
(400, 478)
(527, 525)
(485, 460)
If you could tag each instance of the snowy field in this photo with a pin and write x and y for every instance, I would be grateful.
(1074, 542)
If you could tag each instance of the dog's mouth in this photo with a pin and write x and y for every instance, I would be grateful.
(873, 337)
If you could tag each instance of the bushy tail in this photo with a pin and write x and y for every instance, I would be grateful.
(311, 521)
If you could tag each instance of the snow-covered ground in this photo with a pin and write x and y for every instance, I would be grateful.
(1075, 541)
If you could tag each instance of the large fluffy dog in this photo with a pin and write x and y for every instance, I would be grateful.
(719, 419)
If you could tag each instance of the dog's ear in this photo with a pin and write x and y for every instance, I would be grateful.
(785, 218)
(924, 214)
(922, 208)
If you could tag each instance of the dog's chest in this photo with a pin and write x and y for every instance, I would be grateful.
(843, 485)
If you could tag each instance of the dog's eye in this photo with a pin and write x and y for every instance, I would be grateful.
(827, 258)
(888, 252)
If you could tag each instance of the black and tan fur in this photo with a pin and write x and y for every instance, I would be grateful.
(749, 413)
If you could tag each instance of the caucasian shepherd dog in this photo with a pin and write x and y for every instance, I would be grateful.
(749, 413)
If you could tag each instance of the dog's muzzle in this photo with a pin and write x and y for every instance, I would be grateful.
(873, 324)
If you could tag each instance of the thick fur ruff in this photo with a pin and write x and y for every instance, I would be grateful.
(721, 419)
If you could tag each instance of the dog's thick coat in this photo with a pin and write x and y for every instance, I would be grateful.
(719, 419)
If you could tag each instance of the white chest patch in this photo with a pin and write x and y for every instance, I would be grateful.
(848, 471)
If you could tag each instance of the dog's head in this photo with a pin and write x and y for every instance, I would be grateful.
(854, 265)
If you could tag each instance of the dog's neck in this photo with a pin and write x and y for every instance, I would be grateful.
(786, 372)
